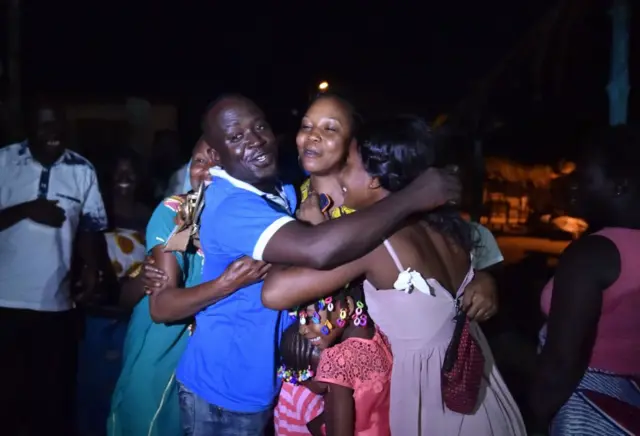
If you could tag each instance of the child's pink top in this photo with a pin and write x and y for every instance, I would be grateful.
(363, 365)
(296, 407)
(617, 345)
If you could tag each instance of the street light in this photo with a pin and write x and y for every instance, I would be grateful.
(323, 86)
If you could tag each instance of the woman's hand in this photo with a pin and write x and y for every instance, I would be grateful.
(480, 300)
(153, 278)
(243, 272)
(310, 210)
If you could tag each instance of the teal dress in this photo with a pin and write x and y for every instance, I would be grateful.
(145, 400)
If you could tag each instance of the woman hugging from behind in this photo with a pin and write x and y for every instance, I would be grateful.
(414, 283)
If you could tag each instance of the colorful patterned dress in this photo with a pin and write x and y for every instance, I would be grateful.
(145, 401)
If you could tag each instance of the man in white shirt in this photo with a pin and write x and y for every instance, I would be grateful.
(48, 196)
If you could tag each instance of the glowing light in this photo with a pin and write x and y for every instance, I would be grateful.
(323, 86)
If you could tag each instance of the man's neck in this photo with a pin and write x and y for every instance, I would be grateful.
(269, 187)
(45, 158)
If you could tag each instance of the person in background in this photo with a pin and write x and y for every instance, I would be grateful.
(165, 159)
(300, 405)
(178, 180)
(225, 386)
(49, 201)
(414, 282)
(127, 215)
(145, 401)
(587, 376)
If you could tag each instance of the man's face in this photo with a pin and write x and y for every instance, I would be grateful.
(49, 130)
(238, 131)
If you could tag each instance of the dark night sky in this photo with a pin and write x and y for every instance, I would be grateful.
(418, 54)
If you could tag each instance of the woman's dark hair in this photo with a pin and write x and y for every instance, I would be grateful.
(354, 117)
(397, 150)
(296, 350)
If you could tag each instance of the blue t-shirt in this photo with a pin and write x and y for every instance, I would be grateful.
(232, 357)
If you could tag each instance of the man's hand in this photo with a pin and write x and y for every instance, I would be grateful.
(243, 272)
(310, 210)
(46, 212)
(480, 300)
(153, 278)
(434, 188)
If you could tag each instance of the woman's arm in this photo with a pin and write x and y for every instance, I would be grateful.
(170, 303)
(287, 287)
(585, 270)
(339, 411)
(480, 299)
(131, 292)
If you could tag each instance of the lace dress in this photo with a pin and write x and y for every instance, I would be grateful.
(419, 325)
(363, 365)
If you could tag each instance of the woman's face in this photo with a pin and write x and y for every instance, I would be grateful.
(358, 187)
(202, 159)
(324, 136)
(124, 177)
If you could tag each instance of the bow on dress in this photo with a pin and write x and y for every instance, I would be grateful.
(410, 280)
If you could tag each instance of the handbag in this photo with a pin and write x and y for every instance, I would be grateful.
(462, 369)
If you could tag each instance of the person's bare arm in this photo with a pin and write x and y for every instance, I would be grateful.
(169, 303)
(585, 270)
(92, 249)
(13, 215)
(315, 425)
(287, 287)
(131, 292)
(339, 411)
(336, 242)
(480, 299)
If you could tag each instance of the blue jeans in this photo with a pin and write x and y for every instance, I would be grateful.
(199, 418)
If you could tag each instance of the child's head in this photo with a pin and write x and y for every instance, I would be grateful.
(322, 322)
(300, 359)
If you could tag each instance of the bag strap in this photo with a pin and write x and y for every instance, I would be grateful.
(199, 207)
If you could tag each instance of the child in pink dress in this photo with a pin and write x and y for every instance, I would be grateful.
(300, 405)
(355, 365)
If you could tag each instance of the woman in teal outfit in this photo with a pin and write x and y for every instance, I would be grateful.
(145, 400)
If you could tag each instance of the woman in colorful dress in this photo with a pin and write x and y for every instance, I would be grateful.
(145, 401)
(128, 216)
(589, 367)
(414, 282)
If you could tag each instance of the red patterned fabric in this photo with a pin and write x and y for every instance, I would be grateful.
(461, 379)
(363, 365)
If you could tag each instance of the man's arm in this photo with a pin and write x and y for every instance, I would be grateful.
(171, 303)
(91, 244)
(336, 242)
(13, 215)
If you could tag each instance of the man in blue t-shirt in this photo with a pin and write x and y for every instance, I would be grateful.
(227, 375)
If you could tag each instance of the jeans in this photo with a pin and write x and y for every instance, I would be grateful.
(199, 418)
